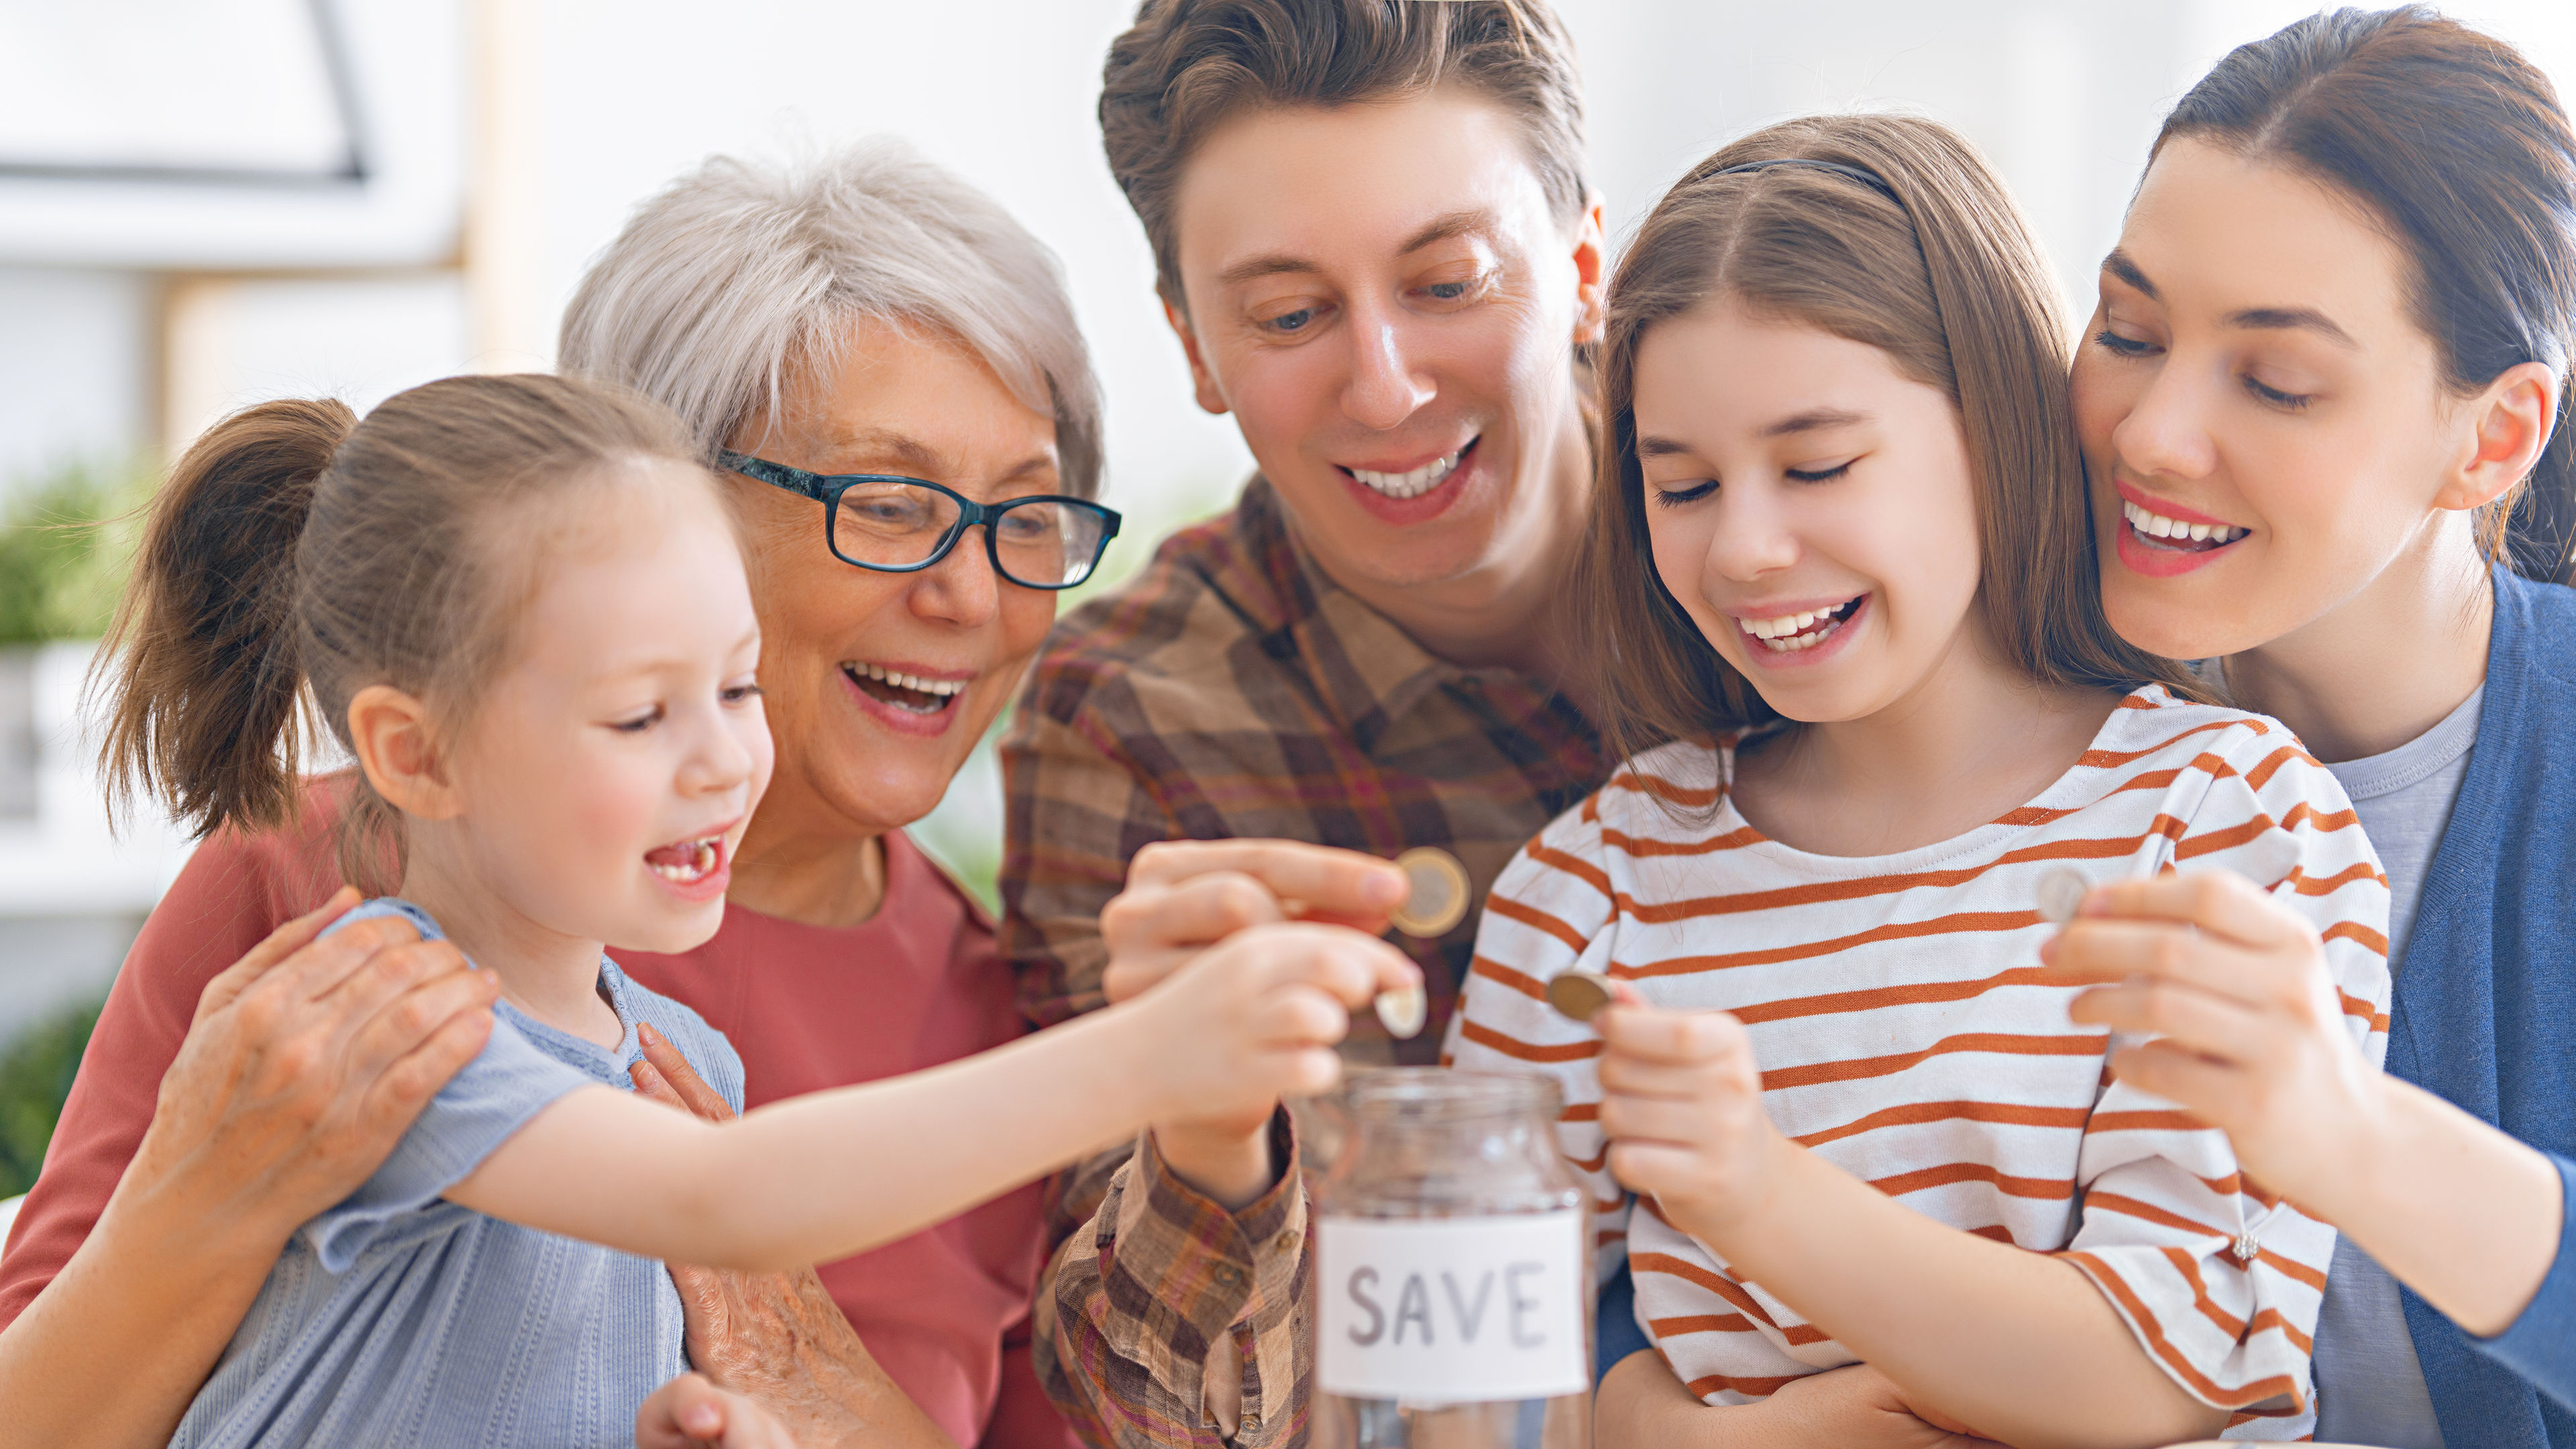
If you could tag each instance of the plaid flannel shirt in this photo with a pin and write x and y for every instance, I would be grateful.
(1232, 690)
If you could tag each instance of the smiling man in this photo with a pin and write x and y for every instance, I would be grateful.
(1376, 247)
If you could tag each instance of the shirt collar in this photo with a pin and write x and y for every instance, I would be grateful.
(1368, 671)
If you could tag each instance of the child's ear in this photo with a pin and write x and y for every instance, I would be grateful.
(390, 732)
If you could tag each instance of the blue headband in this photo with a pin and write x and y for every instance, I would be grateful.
(1865, 178)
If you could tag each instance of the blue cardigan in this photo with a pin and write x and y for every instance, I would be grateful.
(2485, 1011)
(2485, 1015)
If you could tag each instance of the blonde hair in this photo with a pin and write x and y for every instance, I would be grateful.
(297, 555)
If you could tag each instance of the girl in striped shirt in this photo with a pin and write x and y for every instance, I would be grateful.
(1855, 664)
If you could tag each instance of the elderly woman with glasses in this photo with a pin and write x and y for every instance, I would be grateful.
(888, 369)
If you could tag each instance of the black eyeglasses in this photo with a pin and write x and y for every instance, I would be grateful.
(898, 525)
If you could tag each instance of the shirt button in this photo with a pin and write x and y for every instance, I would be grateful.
(1227, 1273)
(1251, 1424)
(1284, 1241)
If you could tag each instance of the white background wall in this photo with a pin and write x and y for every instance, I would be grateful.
(616, 96)
(599, 101)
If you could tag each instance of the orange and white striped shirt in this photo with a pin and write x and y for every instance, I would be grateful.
(1897, 1010)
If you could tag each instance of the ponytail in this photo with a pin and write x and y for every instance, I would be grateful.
(298, 555)
(201, 663)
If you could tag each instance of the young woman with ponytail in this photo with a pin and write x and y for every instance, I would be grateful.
(2324, 404)
(519, 604)
(1868, 707)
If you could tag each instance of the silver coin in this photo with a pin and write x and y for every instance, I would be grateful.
(1579, 994)
(2061, 894)
(1403, 1012)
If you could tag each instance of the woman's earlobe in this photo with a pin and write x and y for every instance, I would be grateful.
(1591, 261)
(390, 732)
(2511, 423)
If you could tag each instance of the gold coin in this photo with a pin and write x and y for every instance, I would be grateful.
(1579, 994)
(1437, 895)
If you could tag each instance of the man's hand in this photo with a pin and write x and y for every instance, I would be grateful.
(778, 1339)
(691, 1413)
(1184, 896)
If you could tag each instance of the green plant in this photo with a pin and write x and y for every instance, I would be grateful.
(35, 1076)
(64, 543)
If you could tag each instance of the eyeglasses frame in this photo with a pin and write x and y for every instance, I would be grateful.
(827, 488)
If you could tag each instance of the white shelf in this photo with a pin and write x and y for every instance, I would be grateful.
(66, 862)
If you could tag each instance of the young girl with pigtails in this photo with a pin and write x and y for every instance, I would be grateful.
(1840, 573)
(517, 602)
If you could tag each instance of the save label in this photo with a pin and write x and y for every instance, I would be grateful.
(1451, 1310)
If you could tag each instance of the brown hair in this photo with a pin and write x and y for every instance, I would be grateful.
(297, 555)
(2460, 148)
(1186, 66)
(1939, 272)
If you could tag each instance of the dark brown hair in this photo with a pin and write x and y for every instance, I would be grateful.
(1939, 272)
(297, 555)
(2461, 150)
(1186, 66)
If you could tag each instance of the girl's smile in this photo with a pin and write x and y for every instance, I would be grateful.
(699, 868)
(1811, 508)
(1789, 637)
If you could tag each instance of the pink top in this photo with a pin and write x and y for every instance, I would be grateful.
(945, 1311)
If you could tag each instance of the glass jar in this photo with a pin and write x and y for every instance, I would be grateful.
(1453, 1293)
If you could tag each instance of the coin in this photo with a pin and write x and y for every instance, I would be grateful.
(1437, 894)
(1579, 994)
(2061, 894)
(1403, 1012)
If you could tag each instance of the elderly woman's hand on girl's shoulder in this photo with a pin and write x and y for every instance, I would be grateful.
(307, 1061)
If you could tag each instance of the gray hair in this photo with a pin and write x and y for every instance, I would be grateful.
(740, 269)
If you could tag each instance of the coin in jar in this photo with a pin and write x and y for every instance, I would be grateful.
(1436, 892)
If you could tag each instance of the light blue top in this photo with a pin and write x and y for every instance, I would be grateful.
(2370, 1385)
(401, 1319)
